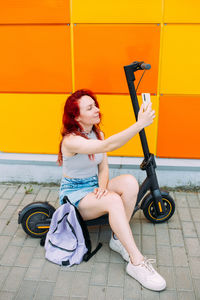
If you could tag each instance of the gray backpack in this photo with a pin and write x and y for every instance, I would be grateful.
(68, 241)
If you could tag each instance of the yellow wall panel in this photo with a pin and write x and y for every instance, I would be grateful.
(178, 128)
(180, 60)
(117, 115)
(182, 11)
(35, 58)
(116, 11)
(30, 123)
(101, 52)
(34, 11)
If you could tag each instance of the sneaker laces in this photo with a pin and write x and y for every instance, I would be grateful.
(147, 263)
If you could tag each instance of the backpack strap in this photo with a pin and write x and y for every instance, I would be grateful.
(86, 235)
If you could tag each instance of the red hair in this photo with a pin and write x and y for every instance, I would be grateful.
(70, 125)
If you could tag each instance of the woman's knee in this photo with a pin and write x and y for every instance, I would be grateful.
(113, 201)
(130, 183)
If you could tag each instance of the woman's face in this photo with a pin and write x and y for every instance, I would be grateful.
(89, 112)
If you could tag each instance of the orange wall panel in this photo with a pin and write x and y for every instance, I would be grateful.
(34, 11)
(31, 123)
(101, 51)
(178, 128)
(35, 58)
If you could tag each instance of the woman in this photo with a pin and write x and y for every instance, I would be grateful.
(86, 182)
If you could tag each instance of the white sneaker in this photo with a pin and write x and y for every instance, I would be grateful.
(116, 245)
(145, 274)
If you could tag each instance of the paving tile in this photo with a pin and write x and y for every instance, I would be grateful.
(192, 246)
(135, 226)
(8, 212)
(149, 295)
(14, 279)
(116, 257)
(83, 280)
(4, 243)
(4, 271)
(10, 228)
(7, 295)
(33, 274)
(186, 296)
(173, 243)
(3, 204)
(9, 193)
(44, 290)
(148, 244)
(28, 198)
(168, 274)
(164, 255)
(3, 223)
(168, 295)
(49, 272)
(39, 252)
(183, 278)
(196, 283)
(99, 274)
(197, 225)
(148, 229)
(27, 290)
(103, 255)
(114, 293)
(174, 222)
(162, 236)
(194, 263)
(132, 288)
(116, 274)
(189, 229)
(18, 238)
(193, 200)
(53, 196)
(179, 256)
(25, 256)
(64, 284)
(10, 255)
(195, 212)
(42, 195)
(86, 266)
(97, 293)
(2, 189)
(17, 199)
(176, 237)
(184, 214)
(181, 199)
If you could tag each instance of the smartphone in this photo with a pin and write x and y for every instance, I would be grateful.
(146, 98)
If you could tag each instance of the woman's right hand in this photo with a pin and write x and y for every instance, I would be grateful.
(146, 116)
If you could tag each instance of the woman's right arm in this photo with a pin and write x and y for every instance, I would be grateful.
(78, 144)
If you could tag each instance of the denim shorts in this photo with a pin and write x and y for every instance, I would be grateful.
(77, 188)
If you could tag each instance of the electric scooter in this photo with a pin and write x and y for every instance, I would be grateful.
(157, 205)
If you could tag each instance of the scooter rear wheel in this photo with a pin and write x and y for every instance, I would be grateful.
(150, 211)
(32, 218)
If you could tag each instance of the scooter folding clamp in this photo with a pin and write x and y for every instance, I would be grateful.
(149, 161)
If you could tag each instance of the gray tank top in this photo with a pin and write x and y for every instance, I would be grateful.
(79, 165)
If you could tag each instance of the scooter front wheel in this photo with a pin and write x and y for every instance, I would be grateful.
(32, 218)
(150, 211)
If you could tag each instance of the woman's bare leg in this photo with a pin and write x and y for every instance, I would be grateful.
(127, 187)
(90, 207)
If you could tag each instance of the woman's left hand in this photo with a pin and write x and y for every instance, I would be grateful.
(99, 192)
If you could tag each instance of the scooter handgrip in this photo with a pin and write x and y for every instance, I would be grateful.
(145, 66)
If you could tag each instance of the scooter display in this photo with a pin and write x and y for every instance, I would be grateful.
(157, 205)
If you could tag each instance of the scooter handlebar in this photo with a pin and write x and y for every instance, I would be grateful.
(145, 66)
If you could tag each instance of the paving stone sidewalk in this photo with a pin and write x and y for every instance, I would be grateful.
(25, 274)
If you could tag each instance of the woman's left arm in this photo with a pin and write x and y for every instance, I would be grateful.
(103, 176)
